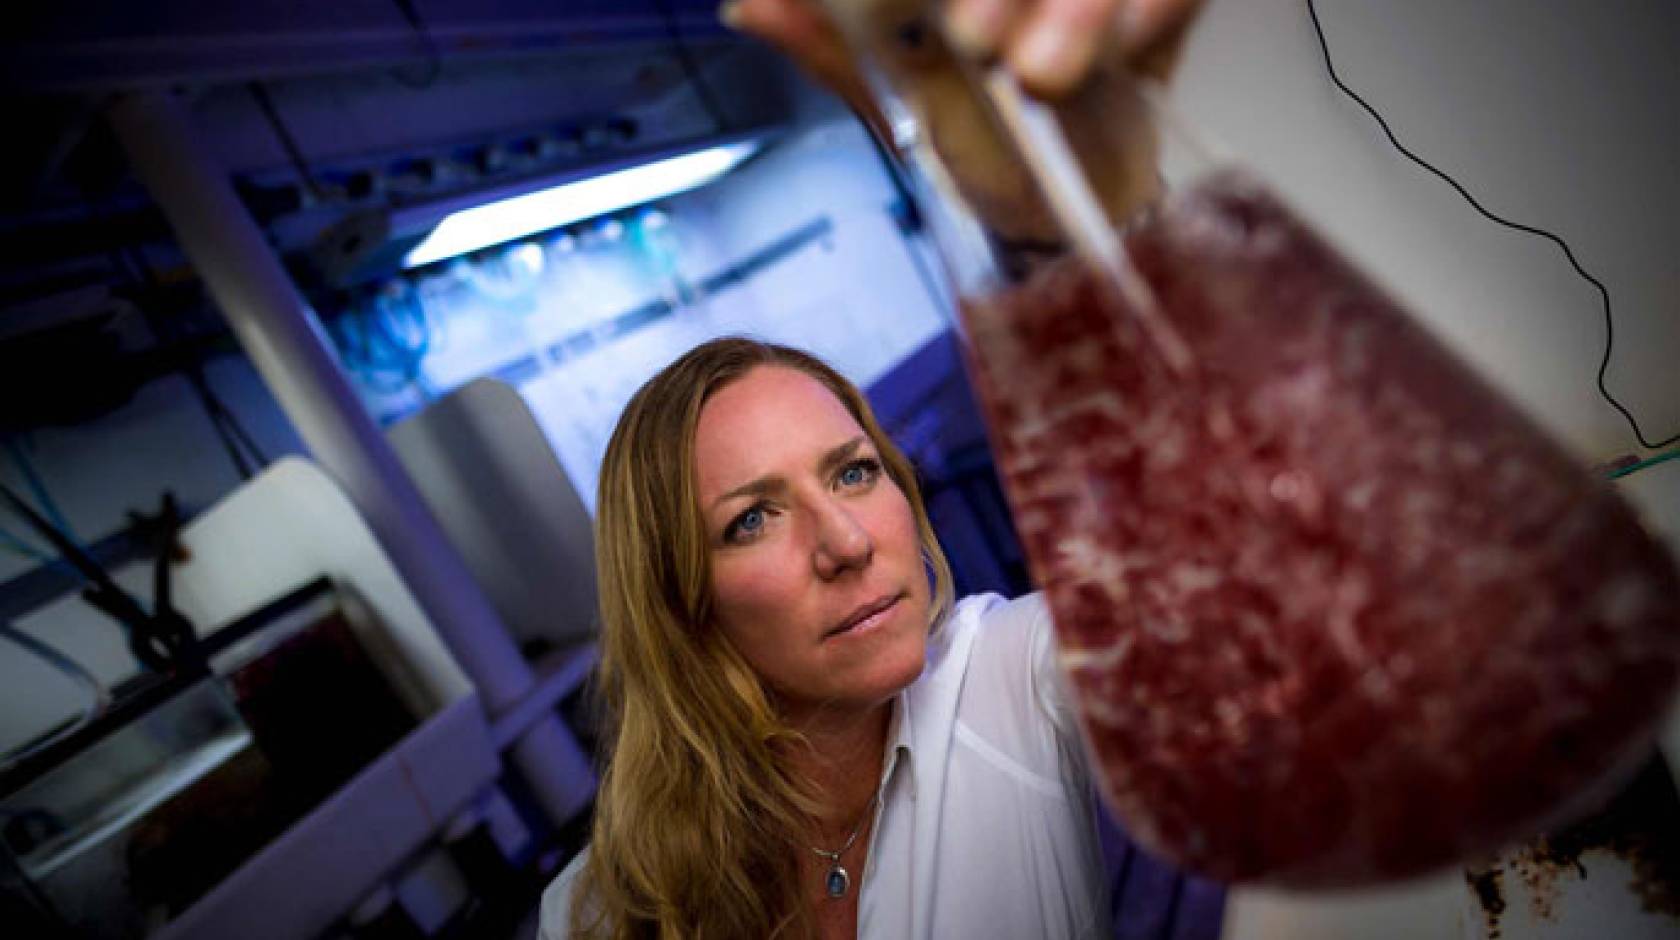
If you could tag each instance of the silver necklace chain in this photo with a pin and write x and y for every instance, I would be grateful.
(838, 880)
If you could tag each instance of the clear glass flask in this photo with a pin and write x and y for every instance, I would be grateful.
(1334, 611)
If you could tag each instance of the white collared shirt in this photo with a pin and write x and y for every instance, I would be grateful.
(985, 826)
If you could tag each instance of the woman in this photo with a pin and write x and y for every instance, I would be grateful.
(791, 696)
(809, 739)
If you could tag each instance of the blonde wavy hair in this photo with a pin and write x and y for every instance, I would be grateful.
(700, 813)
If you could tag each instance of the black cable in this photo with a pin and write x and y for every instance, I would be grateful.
(37, 486)
(1604, 293)
(157, 639)
(909, 218)
(98, 697)
(284, 133)
(19, 547)
(212, 407)
(224, 422)
(140, 274)
(690, 68)
(227, 426)
(434, 56)
(238, 428)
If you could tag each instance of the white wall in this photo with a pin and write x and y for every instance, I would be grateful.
(853, 298)
(1563, 114)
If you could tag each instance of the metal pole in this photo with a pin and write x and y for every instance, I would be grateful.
(286, 343)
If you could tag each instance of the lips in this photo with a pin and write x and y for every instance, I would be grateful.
(863, 613)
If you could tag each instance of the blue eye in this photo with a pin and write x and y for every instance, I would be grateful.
(860, 472)
(746, 525)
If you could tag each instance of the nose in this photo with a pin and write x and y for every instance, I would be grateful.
(842, 542)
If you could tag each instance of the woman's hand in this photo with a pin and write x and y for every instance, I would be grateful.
(1062, 50)
(1050, 44)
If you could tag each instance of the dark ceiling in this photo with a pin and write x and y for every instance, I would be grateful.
(106, 44)
(322, 109)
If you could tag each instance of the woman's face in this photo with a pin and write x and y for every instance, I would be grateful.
(817, 574)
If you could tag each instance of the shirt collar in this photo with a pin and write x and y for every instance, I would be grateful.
(899, 744)
(901, 736)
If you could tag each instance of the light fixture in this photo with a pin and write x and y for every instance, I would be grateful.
(518, 216)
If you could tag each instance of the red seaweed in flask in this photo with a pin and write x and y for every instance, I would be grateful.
(1333, 610)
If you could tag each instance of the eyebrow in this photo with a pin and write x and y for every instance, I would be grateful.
(834, 457)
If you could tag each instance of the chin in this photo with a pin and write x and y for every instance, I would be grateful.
(892, 665)
(901, 666)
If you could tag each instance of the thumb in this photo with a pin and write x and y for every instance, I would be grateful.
(799, 28)
(803, 32)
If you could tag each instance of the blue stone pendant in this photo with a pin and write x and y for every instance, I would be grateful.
(838, 882)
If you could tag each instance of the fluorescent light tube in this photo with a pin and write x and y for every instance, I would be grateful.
(518, 216)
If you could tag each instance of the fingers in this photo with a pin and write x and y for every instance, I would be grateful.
(1142, 23)
(978, 27)
(1055, 46)
(1152, 33)
(1052, 44)
(1049, 44)
(798, 27)
(803, 32)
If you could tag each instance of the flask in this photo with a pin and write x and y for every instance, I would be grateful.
(1333, 611)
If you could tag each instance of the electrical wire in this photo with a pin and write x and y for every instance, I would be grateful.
(909, 218)
(287, 141)
(230, 444)
(1603, 292)
(18, 546)
(24, 511)
(98, 697)
(49, 507)
(237, 429)
(690, 68)
(434, 56)
(1646, 464)
(229, 429)
(99, 589)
